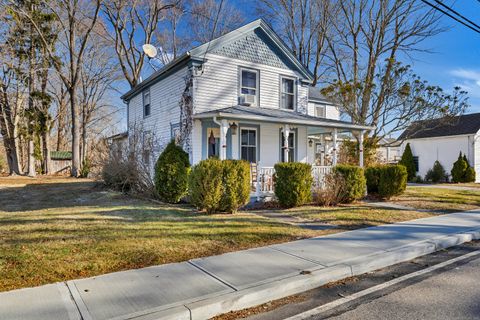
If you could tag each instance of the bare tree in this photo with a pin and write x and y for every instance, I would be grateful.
(305, 26)
(76, 19)
(133, 24)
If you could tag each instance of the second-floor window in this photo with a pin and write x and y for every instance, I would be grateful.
(320, 111)
(287, 93)
(249, 87)
(146, 103)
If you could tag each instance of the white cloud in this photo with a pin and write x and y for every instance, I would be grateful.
(468, 80)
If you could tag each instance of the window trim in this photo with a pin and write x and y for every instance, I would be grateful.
(295, 92)
(257, 79)
(257, 142)
(323, 106)
(145, 91)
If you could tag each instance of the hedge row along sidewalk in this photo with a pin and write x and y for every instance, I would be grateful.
(202, 288)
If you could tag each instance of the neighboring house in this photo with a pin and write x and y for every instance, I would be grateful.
(244, 96)
(389, 150)
(443, 140)
(60, 161)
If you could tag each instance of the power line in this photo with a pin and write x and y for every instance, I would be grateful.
(458, 14)
(453, 17)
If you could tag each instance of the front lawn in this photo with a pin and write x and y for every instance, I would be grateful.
(66, 228)
(439, 199)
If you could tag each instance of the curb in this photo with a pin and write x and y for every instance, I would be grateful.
(257, 295)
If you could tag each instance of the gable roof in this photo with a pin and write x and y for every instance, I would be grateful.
(451, 126)
(216, 45)
(314, 95)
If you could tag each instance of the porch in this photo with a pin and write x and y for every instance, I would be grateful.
(265, 137)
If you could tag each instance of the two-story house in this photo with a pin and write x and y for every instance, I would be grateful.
(244, 96)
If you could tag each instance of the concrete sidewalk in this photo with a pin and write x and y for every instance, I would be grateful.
(202, 288)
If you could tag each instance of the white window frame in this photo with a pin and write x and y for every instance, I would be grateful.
(294, 94)
(149, 104)
(324, 110)
(249, 146)
(257, 82)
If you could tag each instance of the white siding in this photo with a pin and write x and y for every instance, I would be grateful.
(443, 149)
(217, 86)
(164, 100)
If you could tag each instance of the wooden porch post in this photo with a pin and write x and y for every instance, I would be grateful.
(286, 133)
(334, 137)
(223, 139)
(360, 142)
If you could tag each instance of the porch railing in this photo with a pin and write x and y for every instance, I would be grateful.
(263, 179)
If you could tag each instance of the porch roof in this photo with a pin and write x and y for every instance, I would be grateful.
(277, 116)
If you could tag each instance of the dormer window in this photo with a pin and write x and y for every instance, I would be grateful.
(249, 84)
(146, 103)
(287, 93)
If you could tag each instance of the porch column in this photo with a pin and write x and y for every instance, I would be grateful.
(334, 138)
(360, 147)
(286, 133)
(223, 139)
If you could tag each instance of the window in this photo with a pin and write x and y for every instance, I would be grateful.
(291, 147)
(287, 93)
(248, 145)
(320, 111)
(248, 86)
(146, 103)
(415, 161)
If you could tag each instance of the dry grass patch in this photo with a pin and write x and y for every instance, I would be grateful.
(439, 199)
(56, 231)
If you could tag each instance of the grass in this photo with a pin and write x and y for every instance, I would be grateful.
(439, 199)
(66, 229)
(354, 216)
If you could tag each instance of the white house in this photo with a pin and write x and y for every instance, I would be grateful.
(442, 140)
(244, 96)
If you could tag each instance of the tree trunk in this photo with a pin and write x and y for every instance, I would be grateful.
(75, 134)
(13, 158)
(31, 158)
(46, 151)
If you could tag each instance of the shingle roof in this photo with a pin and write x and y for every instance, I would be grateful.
(452, 126)
(315, 95)
(277, 115)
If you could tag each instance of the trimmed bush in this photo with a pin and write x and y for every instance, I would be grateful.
(355, 182)
(171, 173)
(205, 185)
(392, 180)
(459, 168)
(372, 175)
(470, 175)
(332, 192)
(437, 173)
(236, 185)
(219, 186)
(293, 183)
(407, 161)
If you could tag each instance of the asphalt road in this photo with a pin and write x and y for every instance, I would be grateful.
(450, 292)
(453, 294)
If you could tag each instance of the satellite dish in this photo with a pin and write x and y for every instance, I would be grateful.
(149, 50)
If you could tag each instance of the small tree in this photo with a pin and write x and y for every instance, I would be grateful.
(407, 161)
(459, 168)
(437, 173)
(171, 173)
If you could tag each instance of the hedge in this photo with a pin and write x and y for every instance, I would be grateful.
(171, 173)
(386, 180)
(293, 183)
(219, 186)
(355, 182)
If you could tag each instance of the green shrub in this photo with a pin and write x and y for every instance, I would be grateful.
(459, 169)
(205, 185)
(171, 173)
(293, 183)
(85, 170)
(437, 173)
(392, 180)
(355, 182)
(407, 161)
(236, 185)
(470, 175)
(219, 186)
(372, 175)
